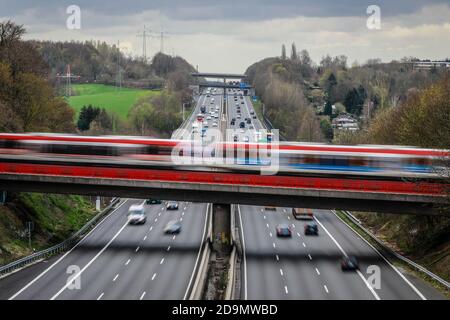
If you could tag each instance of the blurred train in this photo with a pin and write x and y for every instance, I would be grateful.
(289, 158)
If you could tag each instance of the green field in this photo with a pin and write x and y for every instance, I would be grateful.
(109, 97)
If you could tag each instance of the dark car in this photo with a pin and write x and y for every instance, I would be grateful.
(232, 123)
(254, 117)
(283, 230)
(311, 229)
(242, 124)
(249, 121)
(172, 205)
(242, 102)
(349, 263)
(172, 227)
(235, 139)
(153, 201)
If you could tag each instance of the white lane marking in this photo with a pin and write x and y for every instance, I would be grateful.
(184, 208)
(115, 278)
(162, 261)
(286, 289)
(317, 270)
(182, 214)
(326, 289)
(304, 244)
(145, 238)
(289, 217)
(262, 210)
(309, 256)
(243, 251)
(281, 272)
(128, 261)
(154, 276)
(151, 228)
(65, 255)
(267, 225)
(284, 210)
(264, 217)
(142, 295)
(199, 251)
(156, 219)
(137, 249)
(174, 236)
(387, 261)
(100, 296)
(293, 226)
(168, 248)
(273, 244)
(270, 234)
(89, 263)
(299, 235)
(277, 257)
(181, 219)
(159, 214)
(345, 254)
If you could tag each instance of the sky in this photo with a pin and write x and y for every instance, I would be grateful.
(228, 36)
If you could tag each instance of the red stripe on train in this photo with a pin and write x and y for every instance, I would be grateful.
(394, 187)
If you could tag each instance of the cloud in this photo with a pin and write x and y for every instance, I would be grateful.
(229, 36)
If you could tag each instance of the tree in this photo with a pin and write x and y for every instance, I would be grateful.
(283, 52)
(328, 110)
(294, 56)
(10, 33)
(354, 100)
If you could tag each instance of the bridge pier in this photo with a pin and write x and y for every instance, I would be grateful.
(221, 226)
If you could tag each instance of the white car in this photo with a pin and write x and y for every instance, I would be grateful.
(214, 124)
(208, 118)
(246, 139)
(136, 214)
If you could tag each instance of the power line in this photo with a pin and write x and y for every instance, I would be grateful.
(144, 34)
(68, 76)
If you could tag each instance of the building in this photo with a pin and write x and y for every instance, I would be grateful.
(345, 122)
(428, 64)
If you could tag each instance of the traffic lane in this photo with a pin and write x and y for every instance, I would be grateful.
(55, 276)
(262, 280)
(175, 272)
(130, 266)
(320, 277)
(306, 267)
(323, 257)
(292, 268)
(103, 270)
(392, 284)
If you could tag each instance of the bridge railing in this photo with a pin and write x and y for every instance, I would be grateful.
(63, 246)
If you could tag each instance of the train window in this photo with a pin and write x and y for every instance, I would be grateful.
(8, 144)
(309, 159)
(96, 150)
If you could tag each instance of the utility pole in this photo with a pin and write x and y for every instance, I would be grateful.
(144, 34)
(119, 74)
(68, 76)
(161, 38)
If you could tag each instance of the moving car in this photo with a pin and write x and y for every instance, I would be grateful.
(153, 201)
(311, 228)
(246, 139)
(136, 214)
(172, 227)
(172, 205)
(283, 230)
(242, 124)
(349, 263)
(235, 138)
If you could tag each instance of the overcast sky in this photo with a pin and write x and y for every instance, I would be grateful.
(228, 36)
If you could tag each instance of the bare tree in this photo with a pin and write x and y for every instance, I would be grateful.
(10, 32)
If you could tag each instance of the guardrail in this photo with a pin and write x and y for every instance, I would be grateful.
(63, 246)
(202, 270)
(270, 126)
(395, 254)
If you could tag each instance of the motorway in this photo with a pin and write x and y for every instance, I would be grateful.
(308, 267)
(119, 261)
